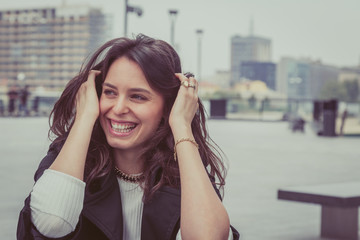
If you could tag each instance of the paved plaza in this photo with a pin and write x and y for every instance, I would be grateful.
(262, 157)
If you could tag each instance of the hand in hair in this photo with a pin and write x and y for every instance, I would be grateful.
(203, 216)
(185, 105)
(87, 102)
(87, 111)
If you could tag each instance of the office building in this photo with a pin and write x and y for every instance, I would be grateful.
(220, 78)
(244, 49)
(351, 74)
(304, 78)
(47, 46)
(263, 71)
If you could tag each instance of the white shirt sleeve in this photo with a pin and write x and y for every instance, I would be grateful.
(178, 235)
(56, 203)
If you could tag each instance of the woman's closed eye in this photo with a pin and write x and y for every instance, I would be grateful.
(109, 92)
(139, 97)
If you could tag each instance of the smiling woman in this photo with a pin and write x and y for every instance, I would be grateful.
(134, 161)
(130, 110)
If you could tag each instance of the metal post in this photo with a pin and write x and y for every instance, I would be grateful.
(134, 9)
(173, 14)
(125, 20)
(199, 33)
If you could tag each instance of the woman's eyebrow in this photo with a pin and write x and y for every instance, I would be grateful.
(109, 85)
(143, 90)
(140, 90)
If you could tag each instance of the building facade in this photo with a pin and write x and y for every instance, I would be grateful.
(303, 78)
(351, 74)
(221, 78)
(47, 46)
(244, 49)
(263, 71)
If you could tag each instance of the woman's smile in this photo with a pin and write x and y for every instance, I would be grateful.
(121, 128)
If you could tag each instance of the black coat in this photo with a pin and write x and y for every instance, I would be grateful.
(101, 217)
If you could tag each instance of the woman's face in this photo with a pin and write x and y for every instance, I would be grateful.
(130, 110)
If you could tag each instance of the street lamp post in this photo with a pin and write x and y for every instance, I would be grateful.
(172, 14)
(199, 33)
(129, 8)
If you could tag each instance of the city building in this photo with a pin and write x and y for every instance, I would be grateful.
(263, 71)
(351, 74)
(256, 88)
(221, 78)
(47, 46)
(244, 49)
(303, 78)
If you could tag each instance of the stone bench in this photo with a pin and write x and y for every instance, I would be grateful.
(339, 206)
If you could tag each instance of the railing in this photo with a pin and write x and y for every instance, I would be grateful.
(345, 116)
(344, 120)
(36, 105)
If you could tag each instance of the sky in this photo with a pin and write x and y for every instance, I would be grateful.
(326, 30)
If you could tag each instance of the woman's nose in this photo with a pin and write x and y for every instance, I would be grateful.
(121, 106)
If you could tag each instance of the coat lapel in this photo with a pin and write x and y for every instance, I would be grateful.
(104, 208)
(161, 215)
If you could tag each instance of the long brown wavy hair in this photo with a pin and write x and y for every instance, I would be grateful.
(158, 61)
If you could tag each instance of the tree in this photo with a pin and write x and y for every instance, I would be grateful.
(352, 90)
(334, 90)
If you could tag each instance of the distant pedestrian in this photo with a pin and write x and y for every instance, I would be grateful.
(24, 95)
(2, 108)
(343, 118)
(13, 95)
(35, 105)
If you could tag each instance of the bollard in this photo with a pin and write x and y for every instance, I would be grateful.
(218, 108)
(329, 118)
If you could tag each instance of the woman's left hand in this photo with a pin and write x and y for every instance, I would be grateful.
(186, 103)
(201, 207)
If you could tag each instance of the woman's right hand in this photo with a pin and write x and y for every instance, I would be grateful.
(72, 157)
(87, 102)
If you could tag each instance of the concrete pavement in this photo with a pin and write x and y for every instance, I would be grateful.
(262, 157)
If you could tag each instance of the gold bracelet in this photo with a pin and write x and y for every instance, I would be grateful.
(183, 140)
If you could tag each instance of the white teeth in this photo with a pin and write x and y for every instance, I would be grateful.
(123, 128)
